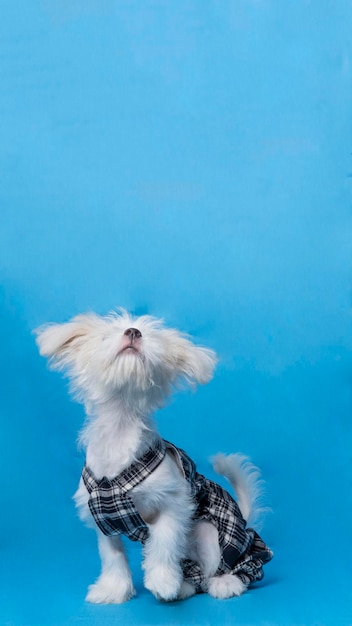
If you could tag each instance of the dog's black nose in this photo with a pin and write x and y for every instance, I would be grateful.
(133, 333)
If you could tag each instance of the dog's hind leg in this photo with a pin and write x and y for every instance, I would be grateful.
(226, 586)
(205, 548)
(114, 584)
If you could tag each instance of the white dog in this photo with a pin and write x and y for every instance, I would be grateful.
(134, 483)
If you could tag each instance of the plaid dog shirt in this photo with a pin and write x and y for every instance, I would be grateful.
(242, 550)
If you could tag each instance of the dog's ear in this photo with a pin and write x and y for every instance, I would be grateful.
(193, 363)
(59, 342)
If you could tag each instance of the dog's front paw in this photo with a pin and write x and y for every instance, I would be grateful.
(225, 586)
(164, 582)
(110, 591)
(187, 591)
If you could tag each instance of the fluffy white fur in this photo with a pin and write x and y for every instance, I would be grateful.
(122, 369)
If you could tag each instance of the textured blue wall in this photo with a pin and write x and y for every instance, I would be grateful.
(191, 160)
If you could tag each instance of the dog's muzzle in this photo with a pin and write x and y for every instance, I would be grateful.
(133, 333)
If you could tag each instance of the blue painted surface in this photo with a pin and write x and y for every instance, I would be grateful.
(191, 160)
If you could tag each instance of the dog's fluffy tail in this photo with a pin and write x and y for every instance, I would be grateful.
(245, 479)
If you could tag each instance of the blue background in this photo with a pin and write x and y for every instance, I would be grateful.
(191, 160)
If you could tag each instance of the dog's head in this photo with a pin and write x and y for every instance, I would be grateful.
(119, 354)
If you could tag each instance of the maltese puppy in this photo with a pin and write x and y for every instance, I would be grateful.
(134, 483)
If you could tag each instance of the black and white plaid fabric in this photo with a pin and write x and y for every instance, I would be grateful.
(242, 551)
(110, 502)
